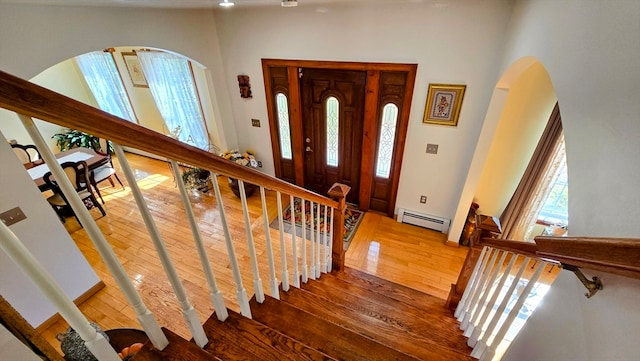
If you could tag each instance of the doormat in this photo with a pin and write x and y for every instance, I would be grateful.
(352, 219)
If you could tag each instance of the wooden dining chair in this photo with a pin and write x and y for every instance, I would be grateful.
(26, 153)
(105, 171)
(78, 174)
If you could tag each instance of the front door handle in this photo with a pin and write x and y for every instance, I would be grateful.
(308, 149)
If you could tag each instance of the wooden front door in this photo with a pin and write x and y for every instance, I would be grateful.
(302, 94)
(332, 113)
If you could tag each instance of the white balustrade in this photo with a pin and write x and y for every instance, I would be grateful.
(188, 312)
(214, 292)
(272, 267)
(257, 281)
(144, 316)
(303, 221)
(482, 307)
(283, 248)
(294, 243)
(318, 242)
(95, 342)
(312, 237)
(243, 301)
(330, 245)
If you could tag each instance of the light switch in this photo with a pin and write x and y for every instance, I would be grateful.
(12, 216)
(255, 123)
(432, 149)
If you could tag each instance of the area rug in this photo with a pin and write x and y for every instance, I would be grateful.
(352, 219)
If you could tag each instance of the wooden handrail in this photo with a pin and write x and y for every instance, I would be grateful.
(619, 256)
(613, 255)
(32, 100)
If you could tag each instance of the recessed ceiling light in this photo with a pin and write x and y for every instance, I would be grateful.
(226, 4)
(289, 3)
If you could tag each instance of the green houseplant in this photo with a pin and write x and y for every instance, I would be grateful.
(71, 138)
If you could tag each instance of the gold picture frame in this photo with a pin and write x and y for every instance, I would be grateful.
(443, 104)
(135, 69)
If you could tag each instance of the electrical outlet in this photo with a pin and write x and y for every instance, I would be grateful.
(423, 199)
(432, 149)
(255, 123)
(259, 164)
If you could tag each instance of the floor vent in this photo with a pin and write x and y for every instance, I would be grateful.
(424, 220)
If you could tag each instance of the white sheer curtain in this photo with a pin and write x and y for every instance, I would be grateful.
(105, 83)
(541, 190)
(174, 92)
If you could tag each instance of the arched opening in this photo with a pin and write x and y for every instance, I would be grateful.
(520, 108)
(67, 78)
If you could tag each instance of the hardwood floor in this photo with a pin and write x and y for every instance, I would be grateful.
(401, 253)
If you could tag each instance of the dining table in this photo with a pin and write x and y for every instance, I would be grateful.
(38, 169)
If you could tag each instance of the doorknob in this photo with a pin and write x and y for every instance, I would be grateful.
(308, 149)
(308, 140)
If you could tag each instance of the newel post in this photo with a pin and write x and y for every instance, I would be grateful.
(338, 192)
(488, 227)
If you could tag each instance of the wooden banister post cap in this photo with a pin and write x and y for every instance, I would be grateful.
(338, 191)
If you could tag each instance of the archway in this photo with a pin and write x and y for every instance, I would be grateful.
(518, 112)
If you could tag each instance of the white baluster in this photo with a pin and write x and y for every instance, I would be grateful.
(491, 348)
(145, 317)
(188, 312)
(294, 243)
(283, 248)
(243, 301)
(478, 291)
(330, 245)
(325, 243)
(473, 280)
(481, 345)
(485, 293)
(94, 341)
(473, 339)
(305, 266)
(214, 292)
(257, 281)
(318, 243)
(312, 240)
(272, 267)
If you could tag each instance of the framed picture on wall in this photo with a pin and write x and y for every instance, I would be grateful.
(443, 104)
(135, 69)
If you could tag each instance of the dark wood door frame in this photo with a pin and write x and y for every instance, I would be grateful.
(371, 114)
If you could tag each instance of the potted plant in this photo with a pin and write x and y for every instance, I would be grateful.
(71, 138)
(197, 178)
(247, 159)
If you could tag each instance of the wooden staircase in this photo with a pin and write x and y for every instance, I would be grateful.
(346, 315)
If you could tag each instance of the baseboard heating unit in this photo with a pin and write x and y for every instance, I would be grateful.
(424, 220)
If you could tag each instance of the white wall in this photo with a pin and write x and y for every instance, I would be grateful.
(33, 38)
(458, 43)
(590, 50)
(45, 237)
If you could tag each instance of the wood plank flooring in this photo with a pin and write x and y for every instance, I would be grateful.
(408, 255)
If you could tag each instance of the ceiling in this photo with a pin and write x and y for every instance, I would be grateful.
(190, 4)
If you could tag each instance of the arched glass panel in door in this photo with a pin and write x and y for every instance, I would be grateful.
(333, 122)
(283, 125)
(387, 139)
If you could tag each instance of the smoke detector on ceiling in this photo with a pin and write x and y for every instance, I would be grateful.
(289, 3)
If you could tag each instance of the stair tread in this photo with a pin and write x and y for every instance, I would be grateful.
(178, 349)
(242, 338)
(390, 289)
(381, 328)
(442, 330)
(321, 334)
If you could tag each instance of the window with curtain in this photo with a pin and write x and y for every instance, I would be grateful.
(102, 76)
(173, 88)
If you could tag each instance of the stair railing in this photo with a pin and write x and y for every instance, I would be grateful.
(495, 297)
(29, 100)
